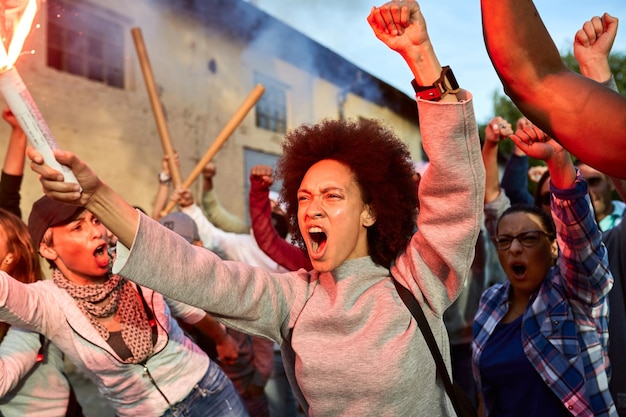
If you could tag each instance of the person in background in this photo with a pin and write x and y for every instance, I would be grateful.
(615, 241)
(532, 337)
(232, 239)
(118, 334)
(214, 211)
(549, 94)
(250, 366)
(608, 212)
(241, 247)
(592, 46)
(32, 378)
(350, 345)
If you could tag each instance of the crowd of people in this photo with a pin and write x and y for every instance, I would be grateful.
(297, 312)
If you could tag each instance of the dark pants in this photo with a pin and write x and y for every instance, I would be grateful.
(462, 370)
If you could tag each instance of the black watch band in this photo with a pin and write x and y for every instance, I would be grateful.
(443, 86)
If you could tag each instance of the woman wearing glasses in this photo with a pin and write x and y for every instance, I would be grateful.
(540, 339)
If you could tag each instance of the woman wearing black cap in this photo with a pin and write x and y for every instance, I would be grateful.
(120, 335)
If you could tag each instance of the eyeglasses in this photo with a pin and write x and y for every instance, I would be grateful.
(526, 239)
(544, 199)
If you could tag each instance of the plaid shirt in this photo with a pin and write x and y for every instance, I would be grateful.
(565, 326)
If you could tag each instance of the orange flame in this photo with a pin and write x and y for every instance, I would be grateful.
(20, 32)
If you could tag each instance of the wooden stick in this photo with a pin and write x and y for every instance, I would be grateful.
(157, 109)
(222, 137)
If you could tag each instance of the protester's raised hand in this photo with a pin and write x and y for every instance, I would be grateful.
(535, 173)
(535, 143)
(227, 350)
(209, 171)
(498, 129)
(592, 46)
(182, 197)
(522, 123)
(399, 24)
(261, 175)
(52, 180)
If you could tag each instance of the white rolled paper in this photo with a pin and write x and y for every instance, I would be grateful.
(23, 106)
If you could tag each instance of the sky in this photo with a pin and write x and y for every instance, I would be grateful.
(455, 30)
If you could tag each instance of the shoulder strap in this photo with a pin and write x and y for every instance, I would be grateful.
(42, 348)
(417, 312)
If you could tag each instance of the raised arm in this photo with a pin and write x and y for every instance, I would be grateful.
(266, 235)
(537, 144)
(517, 172)
(401, 26)
(213, 209)
(592, 46)
(91, 192)
(13, 168)
(547, 92)
(456, 172)
(582, 256)
(497, 130)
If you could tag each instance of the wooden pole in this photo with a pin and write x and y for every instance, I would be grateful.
(157, 109)
(221, 138)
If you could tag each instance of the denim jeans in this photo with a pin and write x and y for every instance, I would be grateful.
(213, 396)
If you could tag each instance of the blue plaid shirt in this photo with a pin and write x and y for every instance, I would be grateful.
(565, 326)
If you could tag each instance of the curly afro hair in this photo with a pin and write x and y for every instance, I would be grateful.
(383, 169)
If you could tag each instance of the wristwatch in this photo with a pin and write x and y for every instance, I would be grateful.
(164, 178)
(443, 86)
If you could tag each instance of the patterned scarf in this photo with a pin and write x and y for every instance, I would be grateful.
(115, 296)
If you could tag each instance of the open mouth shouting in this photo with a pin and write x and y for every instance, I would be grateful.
(519, 270)
(101, 255)
(317, 241)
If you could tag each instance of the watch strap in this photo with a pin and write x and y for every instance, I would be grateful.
(444, 85)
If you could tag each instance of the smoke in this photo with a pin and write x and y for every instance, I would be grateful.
(331, 45)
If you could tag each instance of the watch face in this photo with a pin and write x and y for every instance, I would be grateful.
(449, 76)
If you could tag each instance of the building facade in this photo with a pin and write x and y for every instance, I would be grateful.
(206, 57)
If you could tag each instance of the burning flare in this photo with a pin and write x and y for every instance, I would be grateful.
(14, 90)
(21, 29)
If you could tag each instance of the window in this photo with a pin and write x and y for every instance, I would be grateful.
(271, 109)
(83, 41)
